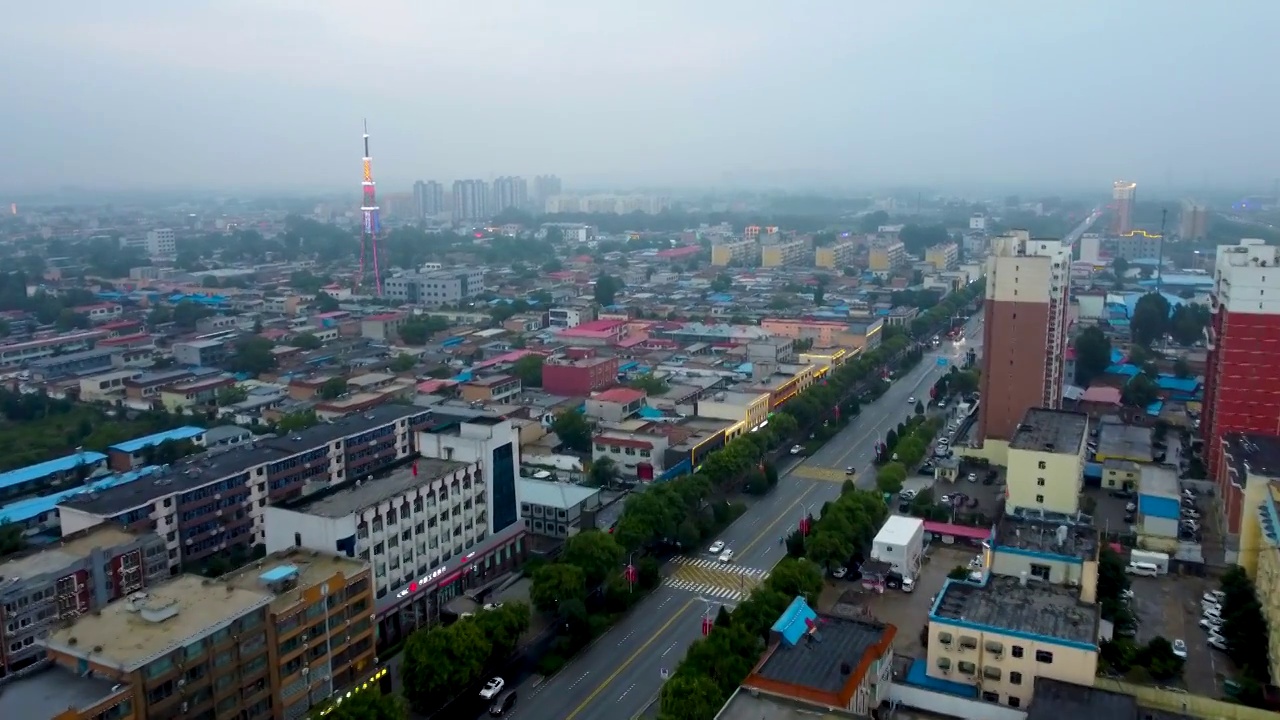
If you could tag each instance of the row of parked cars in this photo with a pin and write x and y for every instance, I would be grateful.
(1211, 618)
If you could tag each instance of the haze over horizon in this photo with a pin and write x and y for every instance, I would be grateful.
(271, 94)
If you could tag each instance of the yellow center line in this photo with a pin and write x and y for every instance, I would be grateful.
(609, 680)
(769, 528)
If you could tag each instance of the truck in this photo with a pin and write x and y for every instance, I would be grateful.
(900, 543)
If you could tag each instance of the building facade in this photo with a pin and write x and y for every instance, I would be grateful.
(785, 252)
(579, 377)
(886, 257)
(836, 256)
(1025, 333)
(1046, 461)
(943, 256)
(743, 253)
(1123, 197)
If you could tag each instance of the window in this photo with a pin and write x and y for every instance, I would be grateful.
(1015, 678)
(1040, 571)
(1017, 651)
(990, 696)
(966, 667)
(1044, 656)
(944, 663)
(1039, 498)
(944, 638)
(991, 673)
(1041, 464)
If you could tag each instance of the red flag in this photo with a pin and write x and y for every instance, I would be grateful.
(706, 626)
(415, 468)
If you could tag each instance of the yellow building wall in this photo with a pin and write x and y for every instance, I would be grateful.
(1113, 478)
(1070, 664)
(1063, 477)
(771, 257)
(1257, 491)
(1267, 584)
(993, 451)
(824, 257)
(721, 255)
(878, 260)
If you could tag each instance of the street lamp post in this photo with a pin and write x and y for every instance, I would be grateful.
(631, 573)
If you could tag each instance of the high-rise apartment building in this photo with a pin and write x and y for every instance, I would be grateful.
(1025, 332)
(161, 241)
(546, 187)
(470, 200)
(272, 641)
(1193, 222)
(428, 199)
(57, 583)
(508, 193)
(1123, 196)
(1242, 373)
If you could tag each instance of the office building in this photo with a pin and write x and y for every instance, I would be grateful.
(1091, 248)
(1242, 375)
(943, 256)
(212, 504)
(579, 377)
(437, 287)
(1003, 634)
(82, 572)
(742, 253)
(1046, 461)
(1193, 222)
(470, 200)
(1123, 196)
(428, 199)
(836, 256)
(785, 252)
(886, 256)
(1137, 245)
(508, 193)
(556, 509)
(1025, 333)
(161, 242)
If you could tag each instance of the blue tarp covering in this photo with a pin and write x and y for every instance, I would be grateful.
(464, 376)
(649, 413)
(280, 572)
(918, 675)
(1177, 384)
(29, 473)
(720, 298)
(684, 467)
(1154, 408)
(1093, 470)
(628, 366)
(1126, 370)
(795, 620)
(747, 368)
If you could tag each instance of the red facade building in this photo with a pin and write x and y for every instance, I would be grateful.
(580, 377)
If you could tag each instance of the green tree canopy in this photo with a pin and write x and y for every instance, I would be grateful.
(306, 341)
(529, 370)
(596, 553)
(367, 704)
(440, 662)
(252, 355)
(1150, 319)
(1093, 355)
(574, 430)
(557, 583)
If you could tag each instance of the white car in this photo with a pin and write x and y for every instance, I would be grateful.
(1213, 626)
(492, 688)
(945, 500)
(797, 449)
(726, 556)
(1212, 613)
(911, 400)
(1127, 594)
(1130, 507)
(491, 606)
(973, 477)
(716, 548)
(1180, 649)
(1214, 597)
(943, 442)
(907, 494)
(1217, 641)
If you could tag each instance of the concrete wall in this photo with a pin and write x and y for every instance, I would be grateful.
(950, 705)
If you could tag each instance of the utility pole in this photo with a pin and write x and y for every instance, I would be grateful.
(1164, 213)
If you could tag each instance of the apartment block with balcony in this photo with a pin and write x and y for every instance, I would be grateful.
(794, 251)
(201, 353)
(636, 456)
(492, 389)
(943, 256)
(580, 377)
(750, 410)
(742, 253)
(192, 648)
(320, 632)
(1025, 333)
(213, 503)
(836, 256)
(1002, 635)
(885, 257)
(1046, 461)
(56, 583)
(1251, 473)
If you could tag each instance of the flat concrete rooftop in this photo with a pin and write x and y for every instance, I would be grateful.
(52, 558)
(815, 662)
(1004, 604)
(310, 568)
(347, 498)
(1055, 431)
(192, 607)
(54, 690)
(1043, 532)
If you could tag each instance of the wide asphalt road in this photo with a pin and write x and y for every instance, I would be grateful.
(621, 673)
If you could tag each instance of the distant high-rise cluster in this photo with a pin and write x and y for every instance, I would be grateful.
(1123, 194)
(428, 199)
(546, 187)
(509, 193)
(470, 200)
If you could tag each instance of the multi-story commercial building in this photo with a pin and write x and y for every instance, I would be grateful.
(750, 409)
(886, 256)
(56, 583)
(943, 256)
(1123, 196)
(507, 193)
(491, 389)
(1136, 245)
(639, 456)
(213, 503)
(556, 509)
(428, 198)
(744, 253)
(562, 317)
(580, 377)
(836, 256)
(1025, 333)
(201, 353)
(470, 200)
(824, 333)
(784, 252)
(1046, 461)
(1193, 221)
(161, 242)
(1242, 375)
(438, 287)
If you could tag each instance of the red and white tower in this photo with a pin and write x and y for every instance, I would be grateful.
(1242, 371)
(372, 224)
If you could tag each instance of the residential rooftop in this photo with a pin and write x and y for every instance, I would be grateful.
(748, 705)
(51, 691)
(1055, 431)
(1251, 454)
(816, 654)
(1055, 699)
(76, 546)
(343, 500)
(1006, 606)
(1161, 480)
(285, 574)
(42, 470)
(1048, 532)
(1122, 440)
(128, 634)
(553, 494)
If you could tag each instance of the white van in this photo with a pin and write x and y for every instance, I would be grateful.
(1143, 568)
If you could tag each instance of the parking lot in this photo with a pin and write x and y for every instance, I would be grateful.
(1169, 606)
(909, 612)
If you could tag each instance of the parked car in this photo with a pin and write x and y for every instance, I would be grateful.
(1215, 596)
(839, 572)
(716, 548)
(1122, 493)
(797, 449)
(907, 494)
(1180, 648)
(503, 704)
(911, 400)
(492, 688)
(1218, 642)
(1211, 625)
(851, 470)
(726, 556)
(1131, 507)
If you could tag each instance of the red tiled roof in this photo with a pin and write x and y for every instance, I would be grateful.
(622, 396)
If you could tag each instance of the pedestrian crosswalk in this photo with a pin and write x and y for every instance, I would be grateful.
(712, 579)
(810, 472)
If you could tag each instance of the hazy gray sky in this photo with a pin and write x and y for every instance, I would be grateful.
(270, 93)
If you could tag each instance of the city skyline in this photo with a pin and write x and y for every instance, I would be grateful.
(623, 97)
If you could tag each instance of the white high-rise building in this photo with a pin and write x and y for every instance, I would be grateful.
(161, 242)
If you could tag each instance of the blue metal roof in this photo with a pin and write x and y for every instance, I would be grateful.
(1127, 370)
(31, 473)
(1177, 384)
(183, 433)
(280, 572)
(794, 622)
(24, 510)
